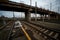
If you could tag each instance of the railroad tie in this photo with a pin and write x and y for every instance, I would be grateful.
(42, 30)
(37, 28)
(50, 33)
(37, 32)
(46, 31)
(56, 35)
(45, 37)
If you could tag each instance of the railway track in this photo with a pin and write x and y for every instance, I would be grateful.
(4, 26)
(5, 30)
(11, 33)
(47, 34)
(8, 32)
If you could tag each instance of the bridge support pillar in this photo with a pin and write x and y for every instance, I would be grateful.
(56, 16)
(27, 16)
(35, 17)
(43, 17)
(48, 16)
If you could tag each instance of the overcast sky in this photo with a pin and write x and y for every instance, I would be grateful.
(55, 4)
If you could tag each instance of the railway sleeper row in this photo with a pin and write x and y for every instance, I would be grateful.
(45, 33)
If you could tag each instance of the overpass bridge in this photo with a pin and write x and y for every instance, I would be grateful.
(21, 7)
(30, 30)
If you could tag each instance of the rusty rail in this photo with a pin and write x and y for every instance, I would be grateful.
(43, 32)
